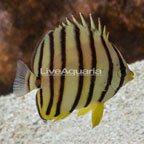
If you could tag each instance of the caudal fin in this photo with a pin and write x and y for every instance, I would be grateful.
(20, 86)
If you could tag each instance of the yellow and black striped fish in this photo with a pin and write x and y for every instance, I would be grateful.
(73, 46)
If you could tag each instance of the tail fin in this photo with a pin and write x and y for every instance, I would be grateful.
(20, 86)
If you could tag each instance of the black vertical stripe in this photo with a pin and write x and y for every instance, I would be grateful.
(40, 60)
(51, 68)
(80, 56)
(93, 77)
(39, 74)
(63, 60)
(41, 98)
(110, 71)
(122, 68)
(38, 106)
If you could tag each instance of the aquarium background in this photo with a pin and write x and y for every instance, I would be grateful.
(24, 22)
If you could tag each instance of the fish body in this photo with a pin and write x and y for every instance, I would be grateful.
(73, 47)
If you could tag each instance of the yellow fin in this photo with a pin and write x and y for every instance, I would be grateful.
(85, 110)
(58, 117)
(61, 116)
(97, 113)
(50, 118)
(65, 115)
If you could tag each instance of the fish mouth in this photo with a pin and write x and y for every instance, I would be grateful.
(131, 76)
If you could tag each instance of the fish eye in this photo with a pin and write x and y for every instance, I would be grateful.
(123, 72)
(38, 82)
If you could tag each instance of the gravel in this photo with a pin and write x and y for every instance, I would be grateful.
(122, 123)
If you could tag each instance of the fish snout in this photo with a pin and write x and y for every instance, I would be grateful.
(131, 76)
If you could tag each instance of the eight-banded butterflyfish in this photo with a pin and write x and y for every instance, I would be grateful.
(73, 46)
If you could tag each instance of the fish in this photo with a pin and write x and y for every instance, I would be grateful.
(62, 71)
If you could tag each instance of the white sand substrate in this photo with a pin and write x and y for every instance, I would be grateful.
(122, 123)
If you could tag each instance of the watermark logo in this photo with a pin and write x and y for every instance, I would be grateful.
(71, 72)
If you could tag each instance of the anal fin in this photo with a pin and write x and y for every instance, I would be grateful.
(61, 116)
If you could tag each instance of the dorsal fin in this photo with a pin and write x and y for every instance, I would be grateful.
(75, 21)
(104, 31)
(107, 35)
(68, 21)
(92, 22)
(63, 24)
(99, 26)
(99, 29)
(60, 26)
(83, 20)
